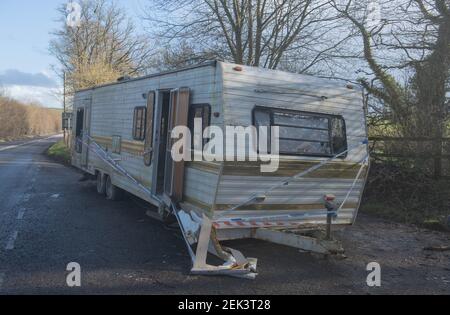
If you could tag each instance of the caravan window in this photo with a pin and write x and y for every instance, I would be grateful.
(139, 122)
(202, 111)
(306, 134)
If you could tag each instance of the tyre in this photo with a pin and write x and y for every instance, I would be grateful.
(101, 183)
(113, 192)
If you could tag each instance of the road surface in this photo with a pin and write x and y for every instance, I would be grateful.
(48, 219)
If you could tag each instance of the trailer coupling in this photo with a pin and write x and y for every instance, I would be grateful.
(200, 231)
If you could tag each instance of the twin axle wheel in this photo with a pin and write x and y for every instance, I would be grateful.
(106, 187)
(114, 193)
(101, 184)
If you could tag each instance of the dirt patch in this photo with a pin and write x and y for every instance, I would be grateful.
(403, 251)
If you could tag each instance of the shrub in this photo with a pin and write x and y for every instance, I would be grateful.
(19, 120)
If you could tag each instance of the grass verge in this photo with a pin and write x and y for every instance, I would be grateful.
(60, 152)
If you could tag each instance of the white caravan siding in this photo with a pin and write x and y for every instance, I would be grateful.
(112, 115)
(243, 90)
(233, 95)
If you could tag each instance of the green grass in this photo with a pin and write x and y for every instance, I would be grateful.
(59, 152)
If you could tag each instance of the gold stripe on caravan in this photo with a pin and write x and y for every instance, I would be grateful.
(131, 147)
(103, 141)
(291, 168)
(135, 148)
(209, 167)
(281, 207)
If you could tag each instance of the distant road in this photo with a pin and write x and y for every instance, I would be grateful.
(49, 219)
(4, 146)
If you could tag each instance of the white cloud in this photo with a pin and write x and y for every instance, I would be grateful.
(16, 77)
(39, 87)
(46, 96)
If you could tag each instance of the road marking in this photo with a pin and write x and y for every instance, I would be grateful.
(12, 240)
(21, 214)
(2, 279)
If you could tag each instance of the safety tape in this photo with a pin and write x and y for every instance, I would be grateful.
(272, 221)
(254, 224)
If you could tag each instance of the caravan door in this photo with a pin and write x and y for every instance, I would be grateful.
(174, 171)
(82, 131)
(86, 133)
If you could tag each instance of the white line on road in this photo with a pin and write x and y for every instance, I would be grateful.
(21, 214)
(11, 241)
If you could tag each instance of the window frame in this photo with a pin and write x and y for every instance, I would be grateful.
(192, 109)
(143, 125)
(79, 129)
(149, 130)
(272, 111)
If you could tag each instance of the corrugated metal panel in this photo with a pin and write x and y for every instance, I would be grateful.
(112, 115)
(200, 186)
(237, 189)
(258, 87)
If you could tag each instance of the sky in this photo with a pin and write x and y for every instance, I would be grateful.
(25, 63)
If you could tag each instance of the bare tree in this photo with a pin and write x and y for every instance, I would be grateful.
(181, 55)
(266, 33)
(103, 47)
(411, 37)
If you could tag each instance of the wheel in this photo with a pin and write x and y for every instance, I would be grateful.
(101, 183)
(113, 192)
(166, 215)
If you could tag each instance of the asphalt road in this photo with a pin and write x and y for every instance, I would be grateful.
(48, 219)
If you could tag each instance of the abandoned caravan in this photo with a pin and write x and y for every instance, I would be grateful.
(124, 134)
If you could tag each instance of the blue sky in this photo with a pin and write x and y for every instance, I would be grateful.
(25, 27)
